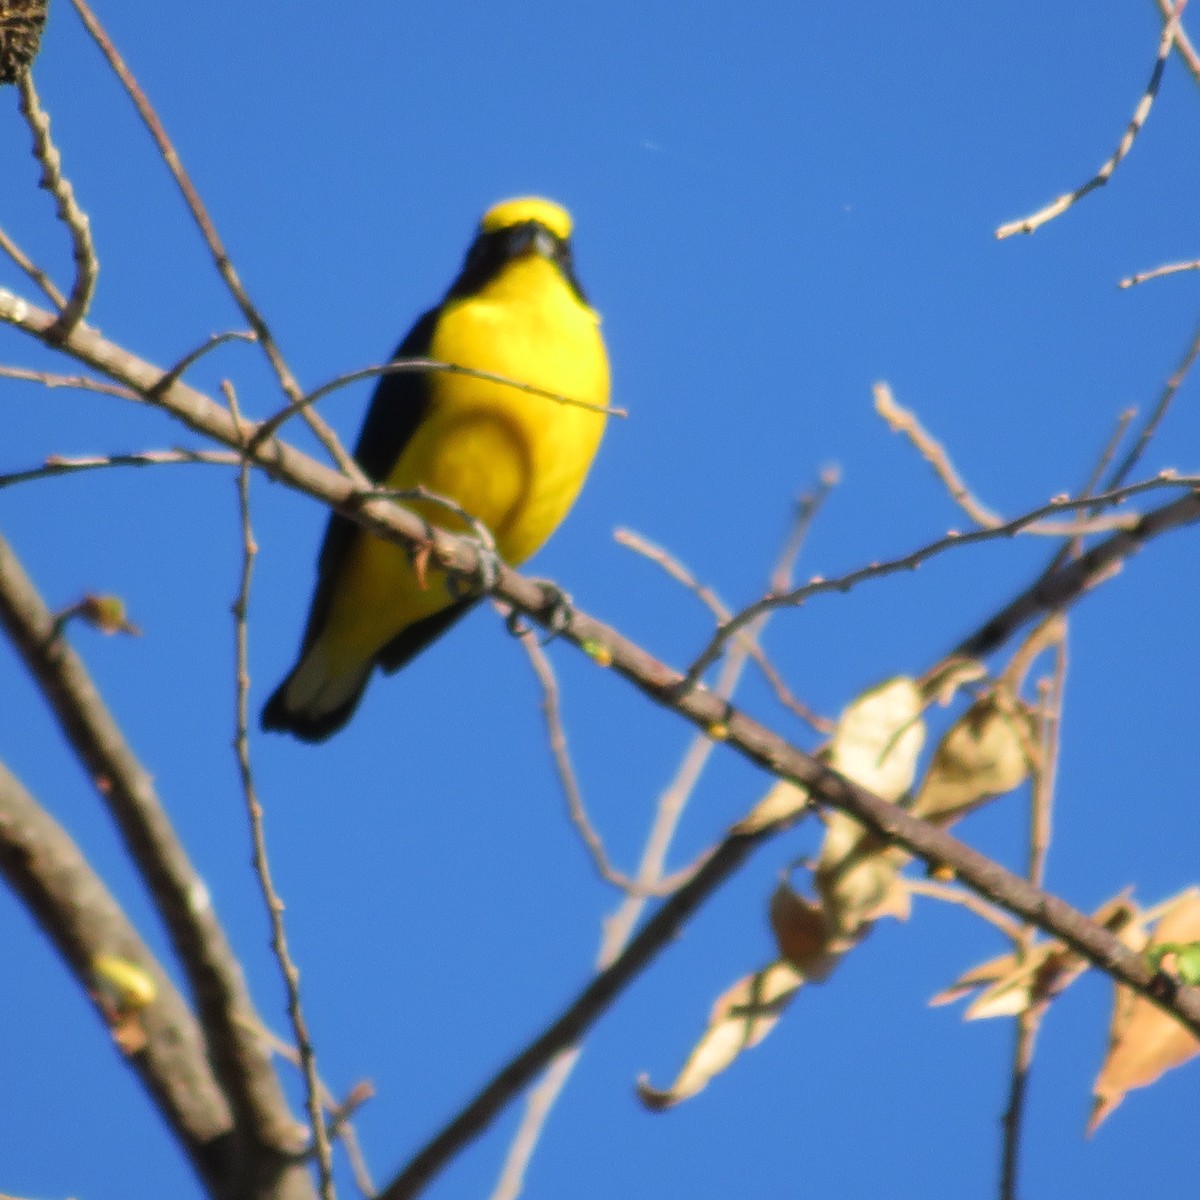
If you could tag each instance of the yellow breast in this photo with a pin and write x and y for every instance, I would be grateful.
(513, 459)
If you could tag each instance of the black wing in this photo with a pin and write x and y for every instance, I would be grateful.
(398, 406)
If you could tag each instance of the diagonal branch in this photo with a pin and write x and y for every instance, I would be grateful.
(227, 1013)
(81, 918)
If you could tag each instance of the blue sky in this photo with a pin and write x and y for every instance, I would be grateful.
(774, 209)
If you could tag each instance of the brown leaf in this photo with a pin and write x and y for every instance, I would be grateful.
(801, 933)
(1143, 1041)
(740, 1019)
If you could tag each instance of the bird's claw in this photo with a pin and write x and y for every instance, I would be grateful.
(561, 609)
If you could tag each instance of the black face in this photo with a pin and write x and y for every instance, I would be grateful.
(491, 251)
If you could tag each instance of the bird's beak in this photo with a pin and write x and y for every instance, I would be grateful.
(532, 239)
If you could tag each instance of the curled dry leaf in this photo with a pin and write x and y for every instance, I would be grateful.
(741, 1018)
(1011, 985)
(984, 754)
(1143, 1041)
(801, 934)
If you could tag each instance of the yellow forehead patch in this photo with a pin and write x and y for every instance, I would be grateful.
(527, 208)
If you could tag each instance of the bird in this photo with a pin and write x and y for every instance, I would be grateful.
(513, 459)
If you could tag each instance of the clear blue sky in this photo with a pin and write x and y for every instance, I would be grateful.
(775, 208)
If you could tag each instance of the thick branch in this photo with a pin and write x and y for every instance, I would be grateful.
(80, 917)
(241, 1060)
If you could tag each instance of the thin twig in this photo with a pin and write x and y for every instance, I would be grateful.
(291, 976)
(908, 562)
(212, 240)
(902, 420)
(83, 383)
(709, 598)
(57, 465)
(1045, 768)
(193, 356)
(69, 212)
(1158, 272)
(417, 366)
(341, 1112)
(576, 809)
(1183, 44)
(951, 894)
(1155, 419)
(32, 270)
(1059, 206)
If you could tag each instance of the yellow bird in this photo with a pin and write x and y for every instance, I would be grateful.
(512, 459)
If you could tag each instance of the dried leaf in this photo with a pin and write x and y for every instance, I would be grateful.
(879, 737)
(876, 744)
(740, 1019)
(784, 800)
(985, 753)
(1012, 985)
(801, 934)
(1143, 1041)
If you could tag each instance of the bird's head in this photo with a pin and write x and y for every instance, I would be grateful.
(528, 226)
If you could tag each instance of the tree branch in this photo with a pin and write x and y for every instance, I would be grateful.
(270, 1135)
(83, 921)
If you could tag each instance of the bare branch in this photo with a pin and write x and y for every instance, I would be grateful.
(1165, 400)
(227, 1012)
(32, 270)
(262, 867)
(416, 366)
(909, 562)
(1029, 1020)
(56, 465)
(1059, 206)
(1158, 272)
(162, 1041)
(208, 231)
(69, 212)
(901, 420)
(83, 382)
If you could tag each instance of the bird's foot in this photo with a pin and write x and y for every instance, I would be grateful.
(561, 609)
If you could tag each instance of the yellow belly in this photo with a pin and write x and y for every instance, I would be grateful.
(514, 460)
